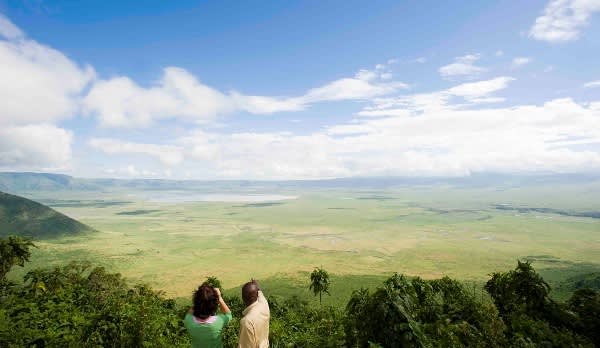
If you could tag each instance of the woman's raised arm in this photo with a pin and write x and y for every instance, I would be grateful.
(222, 304)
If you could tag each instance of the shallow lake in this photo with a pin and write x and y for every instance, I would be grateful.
(188, 197)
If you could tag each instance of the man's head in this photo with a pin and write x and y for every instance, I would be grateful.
(250, 293)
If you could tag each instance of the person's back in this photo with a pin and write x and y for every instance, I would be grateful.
(202, 322)
(206, 334)
(254, 326)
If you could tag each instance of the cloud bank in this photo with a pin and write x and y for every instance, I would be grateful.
(457, 130)
(563, 20)
(120, 102)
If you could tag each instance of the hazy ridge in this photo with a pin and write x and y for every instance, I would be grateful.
(15, 182)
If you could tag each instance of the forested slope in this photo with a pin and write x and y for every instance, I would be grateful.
(23, 217)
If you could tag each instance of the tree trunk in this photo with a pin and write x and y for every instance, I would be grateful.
(320, 303)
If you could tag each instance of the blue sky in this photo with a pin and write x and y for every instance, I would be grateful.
(299, 90)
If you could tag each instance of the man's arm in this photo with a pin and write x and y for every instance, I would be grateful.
(247, 336)
(261, 297)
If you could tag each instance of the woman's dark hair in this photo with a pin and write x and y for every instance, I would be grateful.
(205, 301)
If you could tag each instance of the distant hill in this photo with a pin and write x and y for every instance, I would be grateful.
(23, 217)
(15, 182)
(23, 182)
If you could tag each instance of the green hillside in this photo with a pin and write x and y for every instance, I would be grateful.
(23, 217)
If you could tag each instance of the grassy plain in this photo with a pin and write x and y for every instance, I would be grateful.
(359, 235)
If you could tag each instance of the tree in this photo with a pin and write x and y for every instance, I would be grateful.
(586, 304)
(531, 316)
(319, 282)
(520, 289)
(213, 281)
(13, 251)
(413, 312)
(78, 305)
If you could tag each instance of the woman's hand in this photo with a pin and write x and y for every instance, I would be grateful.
(222, 304)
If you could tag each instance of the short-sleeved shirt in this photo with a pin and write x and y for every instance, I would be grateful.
(206, 335)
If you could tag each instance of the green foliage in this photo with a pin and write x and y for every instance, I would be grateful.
(522, 288)
(296, 324)
(79, 305)
(421, 313)
(319, 282)
(586, 304)
(14, 251)
(531, 316)
(213, 281)
(34, 220)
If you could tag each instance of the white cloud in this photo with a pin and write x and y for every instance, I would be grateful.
(429, 134)
(386, 112)
(563, 20)
(499, 53)
(8, 30)
(38, 84)
(431, 141)
(419, 134)
(368, 75)
(520, 61)
(35, 147)
(481, 88)
(481, 100)
(260, 105)
(34, 72)
(548, 68)
(351, 89)
(120, 102)
(592, 84)
(366, 84)
(386, 76)
(463, 67)
(471, 93)
(448, 132)
(168, 154)
(130, 171)
(421, 60)
(242, 155)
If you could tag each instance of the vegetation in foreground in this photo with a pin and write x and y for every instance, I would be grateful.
(85, 306)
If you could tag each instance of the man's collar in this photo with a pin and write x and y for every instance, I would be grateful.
(250, 307)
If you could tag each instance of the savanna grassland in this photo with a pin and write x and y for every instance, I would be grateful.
(172, 239)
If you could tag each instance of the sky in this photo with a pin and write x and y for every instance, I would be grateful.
(278, 90)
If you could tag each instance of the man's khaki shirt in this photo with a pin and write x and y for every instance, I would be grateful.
(254, 326)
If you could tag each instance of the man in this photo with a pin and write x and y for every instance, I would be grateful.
(254, 326)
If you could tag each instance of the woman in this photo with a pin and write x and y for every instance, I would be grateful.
(202, 322)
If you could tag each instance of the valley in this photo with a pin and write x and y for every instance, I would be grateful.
(173, 238)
